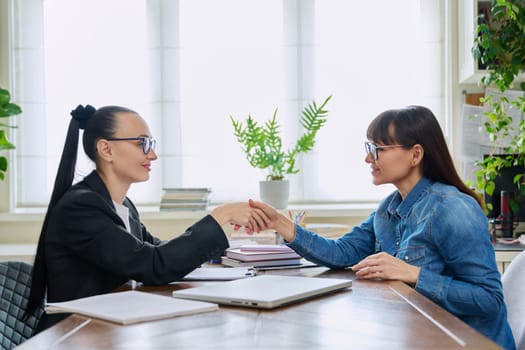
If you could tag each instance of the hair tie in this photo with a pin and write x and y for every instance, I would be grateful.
(82, 114)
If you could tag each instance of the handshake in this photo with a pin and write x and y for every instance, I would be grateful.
(255, 217)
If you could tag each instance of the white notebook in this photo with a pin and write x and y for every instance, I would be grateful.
(220, 273)
(267, 291)
(130, 307)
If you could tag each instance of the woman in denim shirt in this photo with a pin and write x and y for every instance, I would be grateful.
(431, 233)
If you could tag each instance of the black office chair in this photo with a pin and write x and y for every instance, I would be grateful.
(15, 285)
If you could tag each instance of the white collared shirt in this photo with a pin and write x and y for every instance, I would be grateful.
(123, 212)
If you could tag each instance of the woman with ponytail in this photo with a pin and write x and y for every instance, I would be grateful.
(92, 240)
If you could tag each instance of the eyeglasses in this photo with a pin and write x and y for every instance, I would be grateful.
(147, 143)
(373, 149)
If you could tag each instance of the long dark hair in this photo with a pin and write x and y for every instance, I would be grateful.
(97, 124)
(417, 125)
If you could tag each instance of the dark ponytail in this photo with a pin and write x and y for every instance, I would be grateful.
(63, 181)
(97, 124)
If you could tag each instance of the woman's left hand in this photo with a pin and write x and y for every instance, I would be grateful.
(386, 266)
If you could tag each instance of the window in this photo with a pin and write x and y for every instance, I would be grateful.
(371, 57)
(96, 54)
(187, 65)
(231, 63)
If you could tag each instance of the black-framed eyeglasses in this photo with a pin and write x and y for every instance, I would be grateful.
(147, 143)
(373, 149)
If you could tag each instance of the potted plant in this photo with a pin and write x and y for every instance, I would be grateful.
(263, 147)
(499, 46)
(7, 109)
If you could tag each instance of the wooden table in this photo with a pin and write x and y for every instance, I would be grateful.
(370, 315)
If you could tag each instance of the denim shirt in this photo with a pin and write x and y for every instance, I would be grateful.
(442, 231)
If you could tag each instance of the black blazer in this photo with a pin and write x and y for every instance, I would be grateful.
(88, 250)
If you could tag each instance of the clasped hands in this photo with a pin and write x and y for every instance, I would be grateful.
(254, 216)
(242, 214)
(385, 266)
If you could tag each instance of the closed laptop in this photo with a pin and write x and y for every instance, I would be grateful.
(266, 291)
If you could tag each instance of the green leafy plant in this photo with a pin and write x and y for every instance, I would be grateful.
(7, 109)
(263, 145)
(499, 46)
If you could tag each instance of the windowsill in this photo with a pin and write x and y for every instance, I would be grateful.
(321, 210)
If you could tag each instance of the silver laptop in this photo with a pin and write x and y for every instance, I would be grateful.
(266, 291)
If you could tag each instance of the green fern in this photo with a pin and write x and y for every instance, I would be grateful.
(262, 145)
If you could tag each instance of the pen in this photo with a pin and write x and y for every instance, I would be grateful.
(215, 261)
(300, 217)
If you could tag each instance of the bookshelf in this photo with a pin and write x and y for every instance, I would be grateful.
(470, 72)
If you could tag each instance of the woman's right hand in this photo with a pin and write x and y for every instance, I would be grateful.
(275, 220)
(241, 214)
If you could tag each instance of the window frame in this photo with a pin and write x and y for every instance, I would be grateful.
(156, 8)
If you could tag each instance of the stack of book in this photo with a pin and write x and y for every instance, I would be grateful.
(261, 255)
(185, 198)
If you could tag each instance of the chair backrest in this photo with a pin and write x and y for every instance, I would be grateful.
(15, 285)
(513, 281)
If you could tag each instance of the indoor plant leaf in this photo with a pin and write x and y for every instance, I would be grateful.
(7, 109)
(4, 142)
(262, 145)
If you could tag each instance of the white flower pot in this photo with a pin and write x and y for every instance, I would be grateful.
(275, 193)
